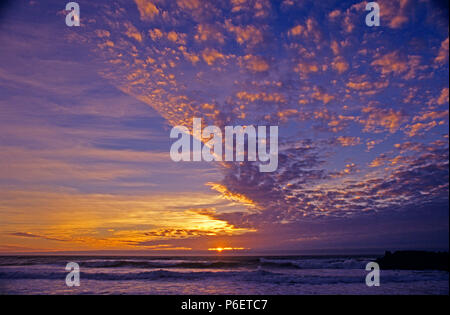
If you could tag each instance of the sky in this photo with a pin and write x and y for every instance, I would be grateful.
(86, 113)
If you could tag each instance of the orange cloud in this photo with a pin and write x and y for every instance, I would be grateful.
(442, 56)
(260, 8)
(188, 4)
(147, 218)
(339, 64)
(296, 30)
(371, 144)
(391, 63)
(304, 68)
(155, 33)
(132, 32)
(246, 34)
(443, 98)
(179, 38)
(193, 58)
(420, 128)
(322, 96)
(387, 119)
(210, 55)
(395, 12)
(431, 115)
(309, 30)
(102, 33)
(227, 194)
(334, 14)
(208, 32)
(147, 9)
(255, 63)
(349, 141)
(262, 96)
(359, 85)
(396, 64)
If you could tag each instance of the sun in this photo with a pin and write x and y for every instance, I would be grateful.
(221, 249)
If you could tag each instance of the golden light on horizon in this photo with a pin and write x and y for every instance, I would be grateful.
(148, 218)
(221, 249)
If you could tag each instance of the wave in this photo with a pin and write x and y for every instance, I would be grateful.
(203, 263)
(342, 263)
(145, 275)
(256, 276)
(159, 264)
(123, 263)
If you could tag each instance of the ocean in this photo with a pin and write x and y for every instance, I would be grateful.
(211, 275)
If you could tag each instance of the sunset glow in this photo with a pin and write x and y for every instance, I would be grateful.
(86, 114)
(221, 249)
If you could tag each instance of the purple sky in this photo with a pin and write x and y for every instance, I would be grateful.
(86, 112)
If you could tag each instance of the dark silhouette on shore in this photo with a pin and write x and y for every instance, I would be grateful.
(414, 260)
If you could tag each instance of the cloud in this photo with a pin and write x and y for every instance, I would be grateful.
(321, 95)
(397, 13)
(132, 32)
(391, 63)
(314, 193)
(420, 128)
(334, 14)
(340, 65)
(372, 143)
(431, 115)
(378, 119)
(442, 56)
(443, 98)
(258, 8)
(188, 216)
(188, 4)
(262, 96)
(147, 9)
(211, 55)
(248, 35)
(394, 63)
(305, 67)
(330, 86)
(230, 195)
(155, 34)
(31, 235)
(309, 30)
(255, 63)
(209, 32)
(349, 141)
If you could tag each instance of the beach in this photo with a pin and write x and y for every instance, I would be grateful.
(211, 275)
